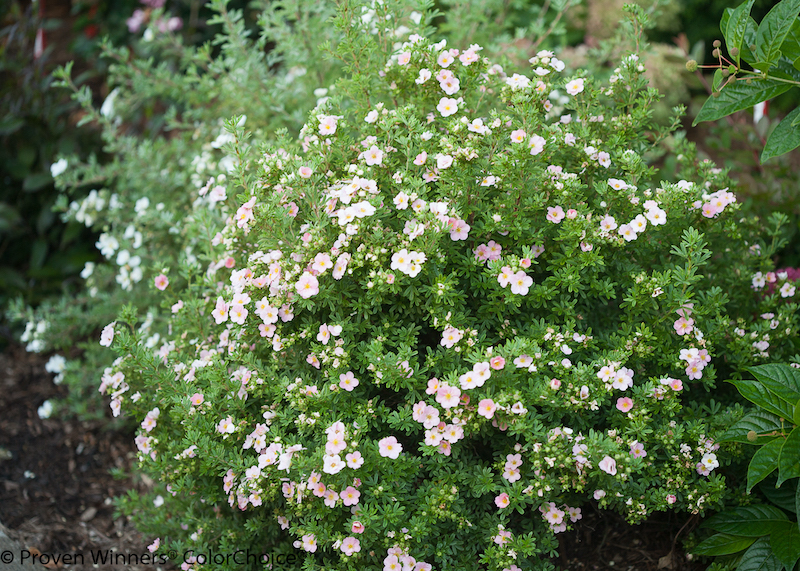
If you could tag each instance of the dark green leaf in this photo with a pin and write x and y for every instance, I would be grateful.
(723, 544)
(797, 504)
(765, 426)
(739, 95)
(785, 544)
(38, 253)
(796, 418)
(764, 462)
(789, 460)
(748, 521)
(783, 497)
(791, 45)
(759, 558)
(757, 393)
(718, 80)
(782, 380)
(774, 28)
(736, 26)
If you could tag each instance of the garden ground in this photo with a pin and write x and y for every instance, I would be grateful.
(56, 489)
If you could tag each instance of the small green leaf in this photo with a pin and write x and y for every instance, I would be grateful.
(764, 425)
(718, 80)
(774, 28)
(764, 462)
(785, 544)
(789, 460)
(748, 521)
(739, 95)
(758, 394)
(759, 558)
(723, 544)
(736, 26)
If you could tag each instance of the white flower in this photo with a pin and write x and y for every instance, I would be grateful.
(46, 409)
(58, 167)
(575, 86)
(371, 117)
(447, 106)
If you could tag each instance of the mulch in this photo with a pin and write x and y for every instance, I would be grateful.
(56, 489)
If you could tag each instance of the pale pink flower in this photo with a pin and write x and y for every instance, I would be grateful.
(354, 460)
(536, 144)
(608, 465)
(502, 501)
(310, 543)
(459, 229)
(575, 86)
(637, 449)
(486, 408)
(107, 335)
(357, 527)
(373, 156)
(521, 283)
(420, 159)
(350, 496)
(389, 447)
(555, 215)
(497, 363)
(307, 285)
(683, 326)
(624, 404)
(447, 106)
(161, 282)
(448, 396)
(518, 136)
(348, 381)
(404, 58)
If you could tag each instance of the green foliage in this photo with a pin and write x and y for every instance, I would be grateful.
(776, 390)
(772, 50)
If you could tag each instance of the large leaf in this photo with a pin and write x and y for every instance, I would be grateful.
(764, 462)
(735, 28)
(759, 558)
(774, 28)
(782, 380)
(785, 543)
(747, 521)
(758, 394)
(791, 45)
(723, 544)
(762, 426)
(739, 95)
(784, 497)
(789, 459)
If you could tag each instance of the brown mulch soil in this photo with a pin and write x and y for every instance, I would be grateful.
(56, 489)
(55, 485)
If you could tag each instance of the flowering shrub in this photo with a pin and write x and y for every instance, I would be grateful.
(443, 321)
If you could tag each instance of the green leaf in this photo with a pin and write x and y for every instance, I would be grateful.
(736, 26)
(758, 394)
(35, 181)
(789, 460)
(739, 95)
(718, 80)
(723, 544)
(774, 28)
(782, 380)
(796, 418)
(785, 544)
(748, 521)
(783, 497)
(764, 425)
(759, 558)
(796, 121)
(791, 44)
(764, 462)
(797, 504)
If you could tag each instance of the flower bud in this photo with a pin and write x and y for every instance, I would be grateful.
(691, 65)
(717, 43)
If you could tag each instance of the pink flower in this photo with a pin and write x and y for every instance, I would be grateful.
(683, 326)
(710, 210)
(155, 545)
(459, 230)
(676, 385)
(176, 307)
(486, 408)
(107, 336)
(521, 283)
(305, 172)
(404, 58)
(608, 465)
(671, 499)
(448, 396)
(197, 399)
(637, 449)
(354, 460)
(307, 285)
(447, 106)
(517, 136)
(497, 363)
(555, 215)
(350, 496)
(357, 527)
(389, 447)
(310, 543)
(502, 501)
(161, 282)
(624, 404)
(348, 381)
(555, 384)
(421, 158)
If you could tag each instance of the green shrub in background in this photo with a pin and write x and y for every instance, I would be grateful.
(443, 319)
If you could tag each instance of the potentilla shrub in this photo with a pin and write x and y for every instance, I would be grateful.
(442, 324)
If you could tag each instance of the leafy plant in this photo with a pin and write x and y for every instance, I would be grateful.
(771, 51)
(769, 539)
